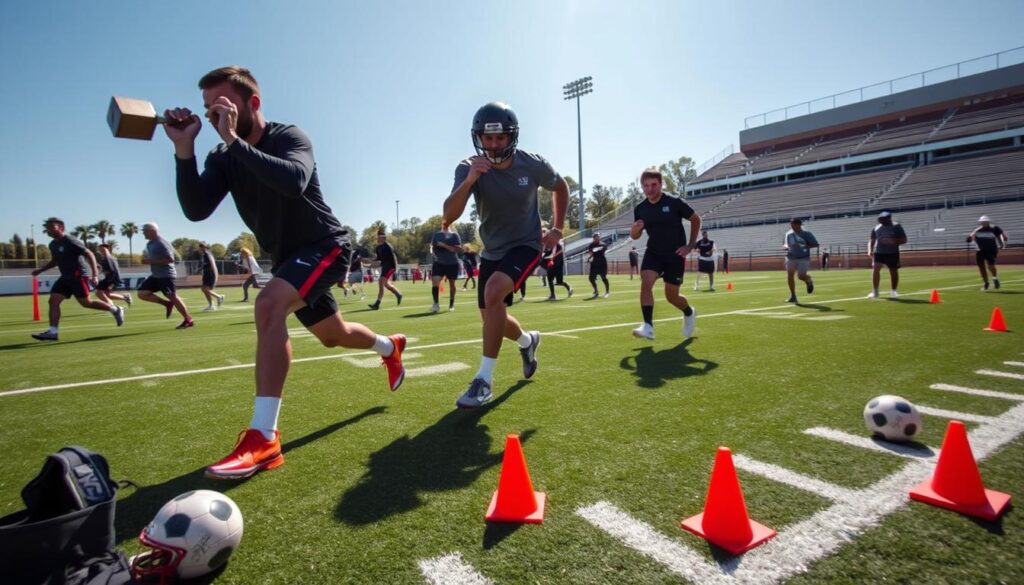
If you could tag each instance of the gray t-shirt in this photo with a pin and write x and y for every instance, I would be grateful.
(882, 233)
(506, 200)
(798, 244)
(157, 249)
(443, 255)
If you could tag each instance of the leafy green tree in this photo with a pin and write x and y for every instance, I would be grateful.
(83, 232)
(678, 173)
(43, 252)
(19, 246)
(187, 248)
(102, 229)
(368, 239)
(572, 213)
(218, 250)
(603, 200)
(245, 240)
(467, 232)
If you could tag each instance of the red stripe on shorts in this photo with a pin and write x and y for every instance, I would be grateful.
(388, 274)
(327, 261)
(526, 273)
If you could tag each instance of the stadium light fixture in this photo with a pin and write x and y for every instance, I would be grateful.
(575, 90)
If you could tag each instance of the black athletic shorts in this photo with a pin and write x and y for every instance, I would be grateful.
(983, 257)
(891, 260)
(159, 284)
(707, 266)
(209, 279)
(71, 286)
(557, 268)
(599, 267)
(518, 263)
(669, 266)
(450, 271)
(313, 270)
(109, 283)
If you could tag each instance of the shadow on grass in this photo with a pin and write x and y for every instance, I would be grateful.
(822, 308)
(654, 368)
(136, 510)
(421, 315)
(993, 526)
(910, 301)
(36, 343)
(448, 455)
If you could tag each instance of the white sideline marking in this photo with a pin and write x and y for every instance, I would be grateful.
(561, 335)
(374, 362)
(868, 443)
(999, 374)
(978, 392)
(952, 414)
(797, 480)
(438, 369)
(1018, 364)
(800, 545)
(450, 569)
(828, 318)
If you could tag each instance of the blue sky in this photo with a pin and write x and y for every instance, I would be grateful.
(387, 89)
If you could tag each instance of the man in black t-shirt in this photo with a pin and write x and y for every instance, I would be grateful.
(77, 269)
(469, 259)
(271, 173)
(553, 260)
(385, 254)
(661, 216)
(989, 239)
(634, 262)
(111, 278)
(705, 260)
(598, 265)
(210, 274)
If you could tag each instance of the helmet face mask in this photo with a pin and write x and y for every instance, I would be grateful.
(159, 563)
(495, 118)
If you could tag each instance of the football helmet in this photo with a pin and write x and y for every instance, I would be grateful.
(495, 118)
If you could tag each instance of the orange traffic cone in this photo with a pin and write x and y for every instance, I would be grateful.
(515, 500)
(957, 484)
(441, 290)
(996, 323)
(728, 286)
(724, 521)
(935, 297)
(35, 299)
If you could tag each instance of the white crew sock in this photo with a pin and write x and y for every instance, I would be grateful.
(113, 309)
(486, 371)
(264, 415)
(52, 329)
(525, 340)
(383, 346)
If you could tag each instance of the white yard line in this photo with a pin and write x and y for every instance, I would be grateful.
(978, 392)
(450, 569)
(800, 545)
(954, 415)
(999, 374)
(797, 480)
(1018, 364)
(868, 443)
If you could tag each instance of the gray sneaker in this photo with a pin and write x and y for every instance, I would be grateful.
(478, 394)
(529, 355)
(128, 298)
(45, 336)
(119, 316)
(689, 323)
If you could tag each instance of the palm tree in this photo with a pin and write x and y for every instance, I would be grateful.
(83, 232)
(129, 229)
(103, 228)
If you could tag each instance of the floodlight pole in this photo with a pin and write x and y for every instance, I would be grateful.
(575, 90)
(396, 214)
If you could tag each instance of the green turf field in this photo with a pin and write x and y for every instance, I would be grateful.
(376, 482)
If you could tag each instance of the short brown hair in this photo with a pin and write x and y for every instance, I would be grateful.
(239, 77)
(651, 173)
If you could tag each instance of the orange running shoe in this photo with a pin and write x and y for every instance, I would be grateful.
(253, 453)
(393, 362)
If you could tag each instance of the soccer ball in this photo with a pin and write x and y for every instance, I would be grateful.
(192, 535)
(892, 417)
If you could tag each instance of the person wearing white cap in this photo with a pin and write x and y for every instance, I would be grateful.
(989, 239)
(884, 250)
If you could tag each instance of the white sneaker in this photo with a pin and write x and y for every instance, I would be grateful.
(711, 289)
(209, 308)
(607, 294)
(873, 294)
(119, 315)
(529, 355)
(128, 298)
(689, 323)
(478, 394)
(220, 300)
(435, 308)
(893, 294)
(645, 330)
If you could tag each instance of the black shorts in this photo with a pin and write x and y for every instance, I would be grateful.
(109, 283)
(449, 271)
(518, 263)
(71, 286)
(669, 266)
(707, 266)
(983, 257)
(633, 263)
(159, 284)
(891, 260)
(209, 279)
(313, 270)
(556, 270)
(387, 272)
(599, 267)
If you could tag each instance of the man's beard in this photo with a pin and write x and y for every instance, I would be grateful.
(243, 127)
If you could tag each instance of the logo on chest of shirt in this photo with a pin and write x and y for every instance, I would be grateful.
(524, 181)
(60, 248)
(665, 208)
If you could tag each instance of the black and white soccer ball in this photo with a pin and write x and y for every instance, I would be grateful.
(892, 418)
(192, 535)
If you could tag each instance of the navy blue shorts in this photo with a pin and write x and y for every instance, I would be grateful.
(518, 263)
(669, 266)
(313, 270)
(891, 260)
(209, 279)
(982, 257)
(449, 271)
(599, 267)
(109, 283)
(71, 286)
(159, 284)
